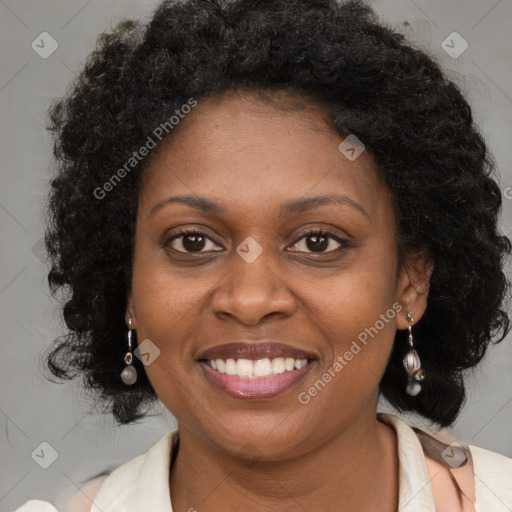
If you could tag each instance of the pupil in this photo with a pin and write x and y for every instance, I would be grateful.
(196, 245)
(319, 241)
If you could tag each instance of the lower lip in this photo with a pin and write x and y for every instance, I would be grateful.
(257, 388)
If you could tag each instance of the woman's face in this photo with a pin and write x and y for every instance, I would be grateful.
(257, 273)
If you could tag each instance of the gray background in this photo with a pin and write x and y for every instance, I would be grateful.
(33, 410)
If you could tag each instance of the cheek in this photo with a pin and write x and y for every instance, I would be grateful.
(169, 309)
(354, 298)
(356, 312)
(165, 300)
(166, 309)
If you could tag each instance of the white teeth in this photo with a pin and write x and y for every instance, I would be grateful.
(289, 364)
(244, 368)
(249, 369)
(278, 365)
(262, 368)
(230, 367)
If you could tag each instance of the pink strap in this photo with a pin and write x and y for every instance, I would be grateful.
(454, 489)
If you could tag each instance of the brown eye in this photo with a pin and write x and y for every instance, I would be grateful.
(192, 241)
(319, 241)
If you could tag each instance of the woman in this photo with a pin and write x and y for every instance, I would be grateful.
(268, 213)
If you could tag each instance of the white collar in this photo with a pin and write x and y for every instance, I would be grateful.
(415, 490)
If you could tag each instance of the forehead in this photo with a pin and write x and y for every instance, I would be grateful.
(242, 149)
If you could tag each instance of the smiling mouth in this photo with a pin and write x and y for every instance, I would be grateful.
(251, 386)
(255, 371)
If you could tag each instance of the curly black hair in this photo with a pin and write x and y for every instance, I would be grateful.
(393, 97)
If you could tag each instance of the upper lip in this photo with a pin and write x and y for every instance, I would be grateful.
(254, 350)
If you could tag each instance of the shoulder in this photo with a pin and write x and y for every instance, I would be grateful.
(482, 478)
(141, 483)
(492, 463)
(126, 485)
(81, 501)
(459, 477)
(493, 479)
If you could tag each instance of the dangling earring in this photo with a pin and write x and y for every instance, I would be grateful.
(412, 365)
(129, 374)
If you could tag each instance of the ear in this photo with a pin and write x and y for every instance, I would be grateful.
(413, 286)
(130, 311)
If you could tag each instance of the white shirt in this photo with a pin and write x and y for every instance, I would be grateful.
(142, 484)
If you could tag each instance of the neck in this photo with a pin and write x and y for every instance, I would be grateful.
(357, 468)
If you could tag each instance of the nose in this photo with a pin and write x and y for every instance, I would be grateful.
(250, 292)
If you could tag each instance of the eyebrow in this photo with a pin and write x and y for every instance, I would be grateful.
(291, 207)
(307, 203)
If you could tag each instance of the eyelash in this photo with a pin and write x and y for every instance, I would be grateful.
(321, 232)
